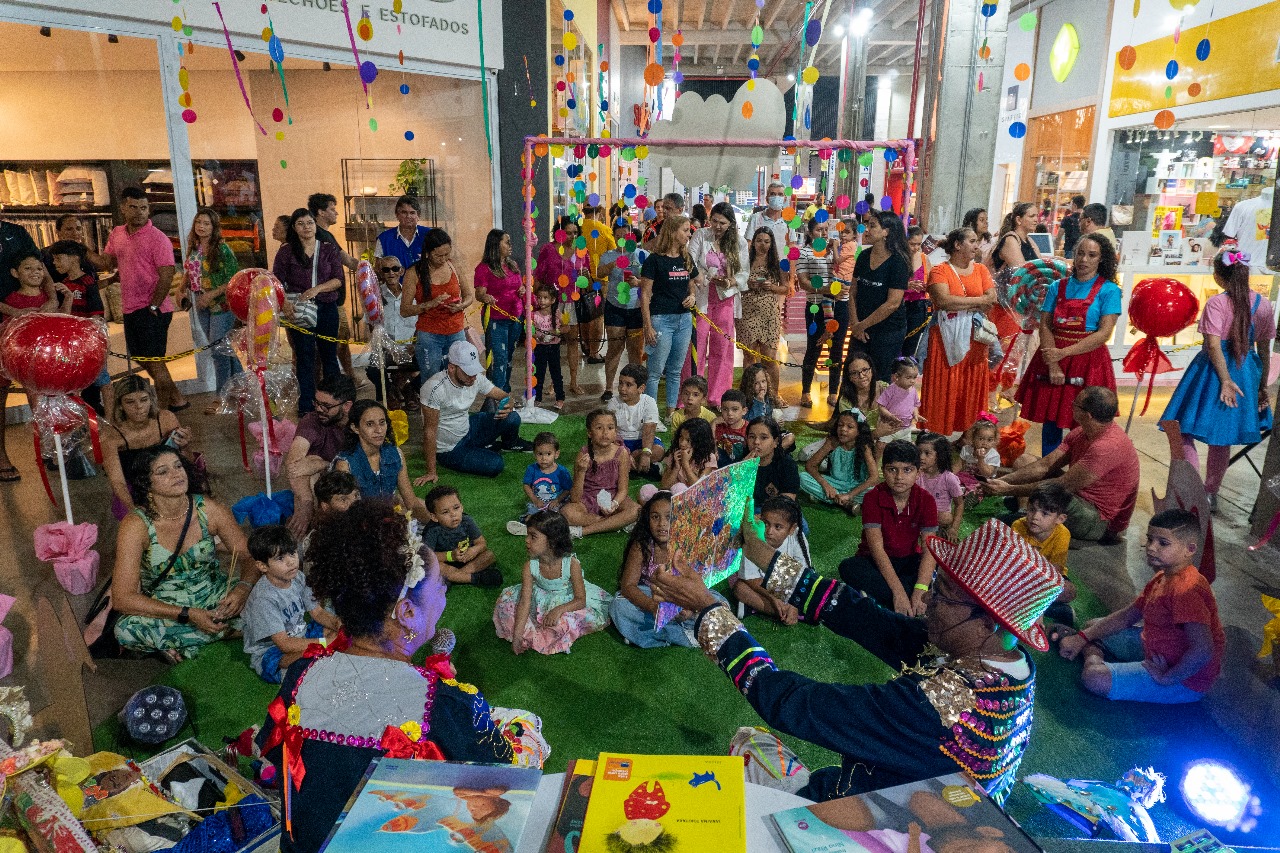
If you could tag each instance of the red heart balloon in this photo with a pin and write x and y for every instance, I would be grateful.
(239, 287)
(53, 354)
(1161, 307)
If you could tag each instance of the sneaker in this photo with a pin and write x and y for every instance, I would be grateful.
(444, 642)
(518, 445)
(516, 528)
(487, 577)
(575, 531)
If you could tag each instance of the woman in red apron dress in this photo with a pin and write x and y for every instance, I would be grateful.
(1073, 350)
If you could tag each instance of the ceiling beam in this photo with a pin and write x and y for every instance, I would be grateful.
(697, 52)
(620, 12)
(715, 57)
(710, 37)
(773, 13)
(728, 14)
(702, 16)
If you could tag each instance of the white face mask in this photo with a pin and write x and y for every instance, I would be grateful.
(777, 202)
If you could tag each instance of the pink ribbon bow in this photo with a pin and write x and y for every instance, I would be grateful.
(70, 548)
(988, 417)
(1232, 258)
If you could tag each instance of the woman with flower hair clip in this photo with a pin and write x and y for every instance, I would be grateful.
(1222, 396)
(363, 697)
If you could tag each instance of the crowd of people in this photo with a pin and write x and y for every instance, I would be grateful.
(350, 588)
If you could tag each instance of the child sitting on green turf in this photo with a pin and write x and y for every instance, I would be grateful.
(457, 541)
(1044, 528)
(781, 518)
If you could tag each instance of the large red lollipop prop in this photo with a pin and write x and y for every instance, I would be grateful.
(1159, 308)
(240, 287)
(55, 356)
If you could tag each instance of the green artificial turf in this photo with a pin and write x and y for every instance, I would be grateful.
(605, 695)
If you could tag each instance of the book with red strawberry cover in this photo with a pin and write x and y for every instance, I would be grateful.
(566, 829)
(666, 804)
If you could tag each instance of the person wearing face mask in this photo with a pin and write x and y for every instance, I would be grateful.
(771, 217)
(721, 253)
(964, 695)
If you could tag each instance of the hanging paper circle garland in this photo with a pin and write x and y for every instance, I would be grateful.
(1171, 70)
(1127, 56)
(842, 201)
(1021, 71)
(1027, 23)
(890, 154)
(1202, 50)
(1194, 90)
(653, 74)
(988, 10)
(862, 208)
(813, 32)
(568, 14)
(368, 72)
(1164, 119)
(809, 75)
(1017, 130)
(796, 182)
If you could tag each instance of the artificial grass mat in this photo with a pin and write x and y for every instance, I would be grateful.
(606, 695)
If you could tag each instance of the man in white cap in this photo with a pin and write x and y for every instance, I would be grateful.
(964, 695)
(453, 435)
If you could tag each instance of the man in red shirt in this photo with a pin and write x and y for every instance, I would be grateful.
(891, 566)
(1101, 470)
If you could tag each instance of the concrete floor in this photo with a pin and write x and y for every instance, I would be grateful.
(1246, 700)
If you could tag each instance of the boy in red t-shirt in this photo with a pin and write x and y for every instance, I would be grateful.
(70, 259)
(1176, 655)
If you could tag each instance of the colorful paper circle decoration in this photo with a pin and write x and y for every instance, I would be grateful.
(1164, 119)
(1017, 130)
(1127, 56)
(1062, 56)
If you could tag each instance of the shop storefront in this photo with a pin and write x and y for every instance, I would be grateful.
(1191, 137)
(94, 103)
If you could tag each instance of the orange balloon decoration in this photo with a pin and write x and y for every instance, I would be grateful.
(1164, 119)
(677, 39)
(1194, 90)
(653, 74)
(1022, 71)
(1127, 57)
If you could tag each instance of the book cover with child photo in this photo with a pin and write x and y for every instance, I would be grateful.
(666, 804)
(946, 814)
(425, 806)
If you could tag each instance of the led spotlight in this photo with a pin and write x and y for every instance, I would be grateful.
(1216, 794)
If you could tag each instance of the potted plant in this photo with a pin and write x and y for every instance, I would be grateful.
(411, 178)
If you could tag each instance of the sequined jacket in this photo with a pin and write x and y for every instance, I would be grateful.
(454, 717)
(939, 712)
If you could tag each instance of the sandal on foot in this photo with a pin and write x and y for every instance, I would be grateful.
(805, 402)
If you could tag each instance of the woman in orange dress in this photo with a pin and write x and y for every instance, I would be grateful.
(954, 394)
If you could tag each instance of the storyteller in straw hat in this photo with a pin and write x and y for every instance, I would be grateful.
(966, 687)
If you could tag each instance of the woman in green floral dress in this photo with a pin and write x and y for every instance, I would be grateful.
(210, 265)
(176, 606)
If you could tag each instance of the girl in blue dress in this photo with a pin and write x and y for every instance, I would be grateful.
(375, 461)
(1222, 397)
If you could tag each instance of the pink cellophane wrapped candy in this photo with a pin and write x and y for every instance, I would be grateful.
(6, 637)
(70, 548)
(284, 430)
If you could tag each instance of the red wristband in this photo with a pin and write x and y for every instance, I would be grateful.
(1081, 633)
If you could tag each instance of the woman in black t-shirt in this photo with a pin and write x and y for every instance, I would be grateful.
(1013, 247)
(880, 279)
(666, 295)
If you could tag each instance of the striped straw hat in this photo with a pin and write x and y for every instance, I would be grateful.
(1009, 578)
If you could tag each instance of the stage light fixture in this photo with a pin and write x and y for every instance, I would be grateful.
(1216, 794)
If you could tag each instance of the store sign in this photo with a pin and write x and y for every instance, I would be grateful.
(1240, 59)
(443, 31)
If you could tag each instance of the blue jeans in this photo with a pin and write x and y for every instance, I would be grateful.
(666, 357)
(637, 626)
(431, 351)
(1130, 681)
(471, 455)
(225, 364)
(502, 338)
(306, 347)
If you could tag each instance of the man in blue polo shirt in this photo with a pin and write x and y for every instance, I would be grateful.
(404, 241)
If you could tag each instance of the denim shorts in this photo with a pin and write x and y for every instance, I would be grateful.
(633, 444)
(1130, 681)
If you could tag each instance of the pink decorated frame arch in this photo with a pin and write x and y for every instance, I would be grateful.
(907, 147)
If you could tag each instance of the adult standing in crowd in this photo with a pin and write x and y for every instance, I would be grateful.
(881, 275)
(560, 266)
(310, 270)
(975, 220)
(915, 301)
(955, 377)
(668, 280)
(671, 204)
(208, 253)
(813, 271)
(1093, 220)
(15, 243)
(500, 285)
(1077, 321)
(1069, 230)
(403, 242)
(456, 437)
(439, 298)
(760, 327)
(143, 256)
(1013, 247)
(770, 217)
(324, 209)
(622, 322)
(720, 251)
(599, 239)
(321, 436)
(1101, 470)
(169, 586)
(70, 227)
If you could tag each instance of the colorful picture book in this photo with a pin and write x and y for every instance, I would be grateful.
(425, 806)
(932, 816)
(666, 804)
(571, 813)
(705, 522)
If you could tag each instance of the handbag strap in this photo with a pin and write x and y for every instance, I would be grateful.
(178, 550)
(315, 265)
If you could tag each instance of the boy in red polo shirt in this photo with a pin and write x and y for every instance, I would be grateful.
(891, 567)
(1176, 655)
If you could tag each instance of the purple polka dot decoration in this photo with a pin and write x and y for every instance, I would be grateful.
(593, 199)
(368, 72)
(677, 78)
(1202, 50)
(862, 208)
(796, 182)
(813, 33)
(886, 203)
(1017, 130)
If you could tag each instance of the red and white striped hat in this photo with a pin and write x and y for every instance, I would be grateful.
(1010, 579)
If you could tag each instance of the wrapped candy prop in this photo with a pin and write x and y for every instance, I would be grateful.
(1021, 294)
(381, 342)
(284, 431)
(256, 299)
(55, 356)
(1090, 805)
(70, 548)
(1159, 308)
(1013, 442)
